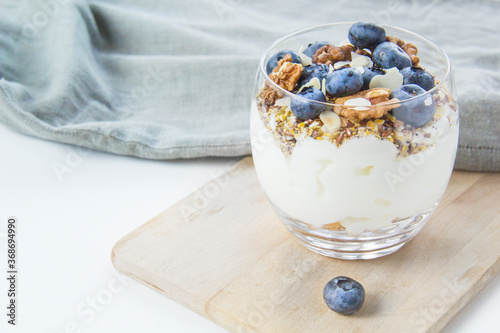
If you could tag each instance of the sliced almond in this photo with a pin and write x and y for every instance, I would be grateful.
(306, 60)
(359, 60)
(359, 101)
(391, 80)
(340, 64)
(331, 120)
(314, 82)
(285, 101)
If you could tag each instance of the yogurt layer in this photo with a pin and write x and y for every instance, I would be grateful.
(363, 184)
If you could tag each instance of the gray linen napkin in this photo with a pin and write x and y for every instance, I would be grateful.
(164, 79)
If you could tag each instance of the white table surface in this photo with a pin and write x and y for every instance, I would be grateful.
(73, 205)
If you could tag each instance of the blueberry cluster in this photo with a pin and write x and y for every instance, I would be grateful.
(370, 40)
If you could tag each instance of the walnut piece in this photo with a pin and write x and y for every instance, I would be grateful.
(409, 48)
(395, 40)
(412, 52)
(330, 54)
(287, 73)
(270, 95)
(379, 99)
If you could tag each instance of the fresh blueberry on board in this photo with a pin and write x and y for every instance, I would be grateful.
(312, 48)
(389, 55)
(272, 63)
(366, 35)
(344, 82)
(417, 75)
(344, 295)
(304, 109)
(416, 112)
(368, 75)
(315, 70)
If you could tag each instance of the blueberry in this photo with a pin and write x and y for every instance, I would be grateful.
(272, 63)
(416, 112)
(388, 55)
(306, 109)
(366, 35)
(315, 70)
(368, 75)
(417, 75)
(312, 48)
(344, 295)
(344, 82)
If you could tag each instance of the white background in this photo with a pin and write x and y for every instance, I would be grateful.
(68, 223)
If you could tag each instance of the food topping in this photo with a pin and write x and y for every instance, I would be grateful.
(330, 54)
(373, 86)
(287, 73)
(357, 106)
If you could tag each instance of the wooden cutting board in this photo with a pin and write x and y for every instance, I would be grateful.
(224, 254)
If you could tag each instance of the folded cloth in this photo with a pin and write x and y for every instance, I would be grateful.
(165, 79)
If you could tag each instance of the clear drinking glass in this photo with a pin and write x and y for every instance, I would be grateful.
(356, 193)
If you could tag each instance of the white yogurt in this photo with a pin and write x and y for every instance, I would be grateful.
(362, 184)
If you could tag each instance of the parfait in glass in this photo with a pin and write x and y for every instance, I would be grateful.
(354, 135)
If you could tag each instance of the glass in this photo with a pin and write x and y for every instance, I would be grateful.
(357, 196)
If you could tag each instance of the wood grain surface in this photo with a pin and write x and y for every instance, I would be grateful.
(223, 253)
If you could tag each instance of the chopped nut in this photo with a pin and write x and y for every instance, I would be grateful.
(344, 122)
(270, 96)
(334, 136)
(391, 80)
(331, 120)
(377, 95)
(359, 60)
(285, 101)
(340, 138)
(379, 99)
(287, 73)
(330, 54)
(412, 52)
(398, 124)
(314, 82)
(389, 122)
(409, 48)
(395, 40)
(358, 103)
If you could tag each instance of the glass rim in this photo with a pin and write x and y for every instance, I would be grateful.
(286, 93)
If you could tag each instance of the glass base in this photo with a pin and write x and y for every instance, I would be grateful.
(366, 245)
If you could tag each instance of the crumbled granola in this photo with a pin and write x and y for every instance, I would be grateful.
(442, 98)
(287, 129)
(376, 96)
(330, 54)
(287, 73)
